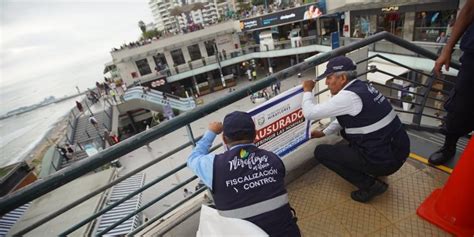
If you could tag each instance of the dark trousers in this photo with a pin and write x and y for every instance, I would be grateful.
(348, 163)
(460, 104)
(277, 223)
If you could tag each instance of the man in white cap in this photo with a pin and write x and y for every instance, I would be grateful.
(378, 143)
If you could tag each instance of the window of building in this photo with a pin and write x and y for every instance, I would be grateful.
(143, 66)
(160, 62)
(392, 22)
(194, 52)
(430, 24)
(328, 25)
(177, 56)
(210, 47)
(363, 26)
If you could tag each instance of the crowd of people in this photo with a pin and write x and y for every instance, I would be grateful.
(66, 151)
(135, 44)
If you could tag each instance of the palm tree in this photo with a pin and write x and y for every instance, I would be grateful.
(175, 12)
(197, 6)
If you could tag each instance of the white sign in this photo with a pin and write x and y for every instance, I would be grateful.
(90, 149)
(286, 17)
(280, 124)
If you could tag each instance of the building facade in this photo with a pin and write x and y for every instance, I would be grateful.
(199, 61)
(176, 15)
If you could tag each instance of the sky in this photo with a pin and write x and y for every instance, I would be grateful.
(50, 47)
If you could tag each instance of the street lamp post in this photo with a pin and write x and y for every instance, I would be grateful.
(270, 69)
(219, 65)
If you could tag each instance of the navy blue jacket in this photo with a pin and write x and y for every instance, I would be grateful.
(248, 175)
(376, 131)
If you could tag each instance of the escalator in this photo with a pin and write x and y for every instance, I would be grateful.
(137, 97)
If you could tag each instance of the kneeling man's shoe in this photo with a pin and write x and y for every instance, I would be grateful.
(365, 195)
(442, 155)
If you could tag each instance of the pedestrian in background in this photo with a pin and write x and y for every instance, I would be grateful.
(79, 107)
(460, 104)
(94, 122)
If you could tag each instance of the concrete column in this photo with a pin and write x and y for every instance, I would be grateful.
(202, 49)
(318, 27)
(210, 80)
(151, 63)
(186, 55)
(347, 21)
(409, 26)
(170, 62)
(196, 85)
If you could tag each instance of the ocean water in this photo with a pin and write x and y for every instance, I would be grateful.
(21, 133)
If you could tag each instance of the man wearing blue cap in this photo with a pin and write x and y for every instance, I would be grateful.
(246, 182)
(378, 144)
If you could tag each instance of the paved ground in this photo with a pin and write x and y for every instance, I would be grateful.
(324, 208)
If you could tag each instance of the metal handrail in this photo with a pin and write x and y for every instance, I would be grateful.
(176, 205)
(163, 195)
(118, 202)
(419, 107)
(148, 185)
(39, 188)
(404, 66)
(404, 79)
(103, 188)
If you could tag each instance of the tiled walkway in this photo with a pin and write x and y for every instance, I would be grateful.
(324, 207)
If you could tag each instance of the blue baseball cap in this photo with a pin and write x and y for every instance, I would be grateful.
(338, 64)
(237, 123)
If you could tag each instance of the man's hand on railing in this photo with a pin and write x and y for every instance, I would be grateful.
(215, 127)
(317, 134)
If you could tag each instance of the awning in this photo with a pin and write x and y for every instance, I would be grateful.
(119, 191)
(382, 78)
(8, 220)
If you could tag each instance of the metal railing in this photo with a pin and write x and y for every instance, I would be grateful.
(68, 174)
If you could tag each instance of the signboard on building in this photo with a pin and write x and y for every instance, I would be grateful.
(335, 40)
(227, 43)
(306, 12)
(280, 124)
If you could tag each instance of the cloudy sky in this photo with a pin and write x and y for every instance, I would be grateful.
(50, 47)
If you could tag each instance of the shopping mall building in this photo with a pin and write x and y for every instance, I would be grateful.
(220, 55)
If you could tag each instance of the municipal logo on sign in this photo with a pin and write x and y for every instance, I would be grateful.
(261, 120)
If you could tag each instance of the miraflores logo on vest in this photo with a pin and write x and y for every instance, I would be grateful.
(253, 162)
(243, 154)
(379, 98)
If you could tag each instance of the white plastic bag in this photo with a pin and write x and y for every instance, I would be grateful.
(213, 224)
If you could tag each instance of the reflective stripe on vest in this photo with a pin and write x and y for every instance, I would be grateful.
(375, 126)
(257, 208)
